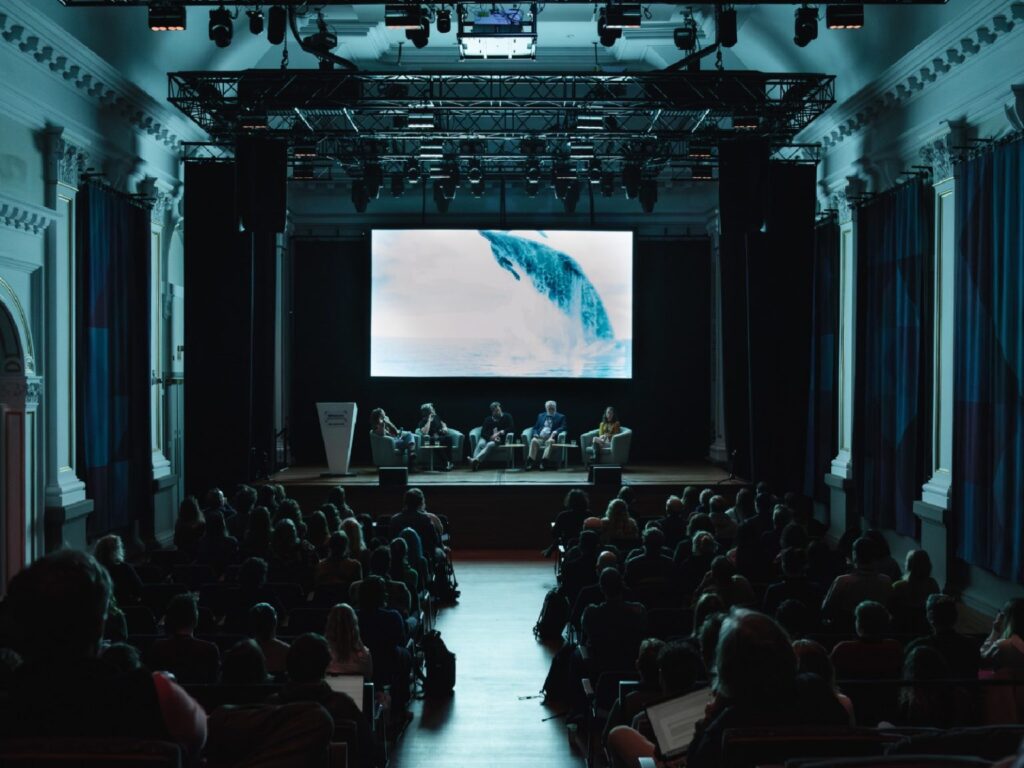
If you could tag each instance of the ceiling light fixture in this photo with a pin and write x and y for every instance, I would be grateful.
(701, 173)
(846, 16)
(303, 172)
(631, 177)
(604, 34)
(444, 21)
(403, 17)
(648, 195)
(255, 20)
(221, 27)
(397, 185)
(498, 33)
(277, 21)
(167, 17)
(805, 28)
(727, 35)
(360, 195)
(623, 16)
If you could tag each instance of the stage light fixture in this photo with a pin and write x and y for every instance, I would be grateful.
(373, 177)
(590, 121)
(685, 37)
(631, 176)
(805, 28)
(277, 22)
(421, 119)
(727, 35)
(702, 172)
(360, 195)
(431, 150)
(623, 16)
(255, 20)
(441, 200)
(571, 196)
(253, 122)
(420, 37)
(846, 16)
(648, 195)
(532, 187)
(167, 17)
(475, 173)
(533, 172)
(699, 151)
(303, 172)
(412, 171)
(607, 184)
(397, 185)
(606, 35)
(444, 21)
(304, 151)
(594, 171)
(581, 151)
(745, 123)
(408, 17)
(221, 27)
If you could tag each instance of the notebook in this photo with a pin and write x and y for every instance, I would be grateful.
(350, 684)
(673, 721)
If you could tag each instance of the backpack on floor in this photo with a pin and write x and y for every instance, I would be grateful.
(444, 587)
(554, 615)
(558, 684)
(439, 665)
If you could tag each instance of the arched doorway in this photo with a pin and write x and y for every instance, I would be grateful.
(13, 390)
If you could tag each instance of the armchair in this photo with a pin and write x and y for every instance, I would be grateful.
(616, 453)
(563, 457)
(384, 452)
(501, 454)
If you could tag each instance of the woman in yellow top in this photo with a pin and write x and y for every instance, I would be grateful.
(609, 426)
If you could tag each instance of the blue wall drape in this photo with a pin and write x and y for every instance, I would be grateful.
(824, 368)
(892, 390)
(114, 439)
(988, 419)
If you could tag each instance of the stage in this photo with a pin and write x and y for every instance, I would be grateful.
(503, 509)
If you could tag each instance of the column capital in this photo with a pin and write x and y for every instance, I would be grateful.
(64, 163)
(943, 152)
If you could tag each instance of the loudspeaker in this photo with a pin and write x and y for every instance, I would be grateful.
(607, 474)
(261, 183)
(393, 476)
(743, 170)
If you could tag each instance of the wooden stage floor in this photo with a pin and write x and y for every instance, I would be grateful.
(497, 509)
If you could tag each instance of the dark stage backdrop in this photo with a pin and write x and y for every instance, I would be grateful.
(667, 403)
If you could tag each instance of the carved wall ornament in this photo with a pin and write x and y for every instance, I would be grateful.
(33, 390)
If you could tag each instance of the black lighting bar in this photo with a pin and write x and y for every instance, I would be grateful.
(303, 3)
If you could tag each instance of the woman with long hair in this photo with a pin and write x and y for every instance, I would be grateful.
(349, 656)
(608, 428)
(415, 555)
(189, 527)
(1003, 653)
(617, 525)
(256, 542)
(356, 543)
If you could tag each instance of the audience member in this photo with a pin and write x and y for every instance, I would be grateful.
(414, 515)
(243, 664)
(1003, 653)
(771, 540)
(625, 708)
(960, 653)
(216, 548)
(357, 549)
(651, 564)
(127, 584)
(590, 594)
(884, 561)
(263, 628)
(731, 588)
(673, 524)
(292, 561)
(725, 526)
(190, 660)
(338, 567)
(871, 656)
(743, 510)
(813, 659)
(214, 500)
(614, 628)
(398, 596)
(308, 662)
(796, 618)
(317, 533)
(338, 498)
(929, 706)
(696, 523)
(252, 589)
(123, 657)
(403, 572)
(912, 591)
(569, 522)
(748, 557)
(58, 605)
(244, 501)
(415, 556)
(851, 589)
(616, 525)
(189, 527)
(332, 517)
(349, 656)
(692, 570)
(257, 534)
(794, 585)
(384, 633)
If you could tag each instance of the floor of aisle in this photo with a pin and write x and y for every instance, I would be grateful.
(496, 718)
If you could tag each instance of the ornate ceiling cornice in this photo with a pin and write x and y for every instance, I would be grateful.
(66, 59)
(24, 217)
(988, 23)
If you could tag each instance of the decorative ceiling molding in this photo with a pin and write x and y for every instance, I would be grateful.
(988, 23)
(68, 60)
(25, 217)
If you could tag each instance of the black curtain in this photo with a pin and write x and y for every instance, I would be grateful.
(114, 442)
(230, 290)
(893, 380)
(822, 407)
(666, 403)
(766, 331)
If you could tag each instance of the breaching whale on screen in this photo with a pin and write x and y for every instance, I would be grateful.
(557, 276)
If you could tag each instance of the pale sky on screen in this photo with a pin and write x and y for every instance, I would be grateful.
(446, 283)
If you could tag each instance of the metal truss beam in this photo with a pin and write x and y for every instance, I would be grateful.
(301, 3)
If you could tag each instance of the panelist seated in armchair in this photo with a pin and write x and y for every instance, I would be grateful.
(609, 442)
(432, 426)
(384, 435)
(492, 434)
(550, 427)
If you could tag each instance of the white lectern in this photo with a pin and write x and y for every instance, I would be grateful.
(337, 424)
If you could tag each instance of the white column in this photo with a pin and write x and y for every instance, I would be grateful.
(158, 244)
(717, 451)
(63, 164)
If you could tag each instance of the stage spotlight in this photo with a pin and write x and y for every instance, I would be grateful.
(594, 171)
(373, 177)
(255, 20)
(745, 123)
(648, 195)
(571, 195)
(849, 16)
(360, 195)
(304, 151)
(419, 37)
(166, 17)
(408, 17)
(805, 28)
(532, 187)
(699, 151)
(623, 16)
(685, 38)
(702, 173)
(475, 174)
(444, 21)
(221, 27)
(441, 198)
(397, 185)
(605, 35)
(412, 171)
(607, 184)
(277, 22)
(303, 172)
(727, 36)
(581, 151)
(631, 176)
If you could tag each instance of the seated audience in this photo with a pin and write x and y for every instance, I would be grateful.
(960, 653)
(317, 533)
(851, 589)
(190, 660)
(216, 501)
(725, 526)
(398, 596)
(731, 588)
(256, 542)
(704, 503)
(348, 654)
(415, 556)
(127, 584)
(123, 657)
(189, 527)
(613, 629)
(308, 661)
(252, 589)
(244, 501)
(884, 561)
(912, 591)
(403, 572)
(930, 706)
(1003, 653)
(337, 497)
(673, 524)
(58, 605)
(616, 525)
(216, 548)
(743, 509)
(414, 515)
(263, 628)
(338, 567)
(292, 560)
(569, 522)
(748, 557)
(357, 549)
(794, 585)
(591, 593)
(813, 659)
(651, 563)
(797, 619)
(629, 706)
(696, 523)
(771, 539)
(871, 656)
(243, 664)
(384, 633)
(691, 572)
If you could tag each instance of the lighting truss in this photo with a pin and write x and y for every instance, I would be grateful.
(652, 118)
(304, 3)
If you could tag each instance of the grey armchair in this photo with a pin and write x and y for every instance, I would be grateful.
(616, 453)
(500, 455)
(560, 438)
(384, 452)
